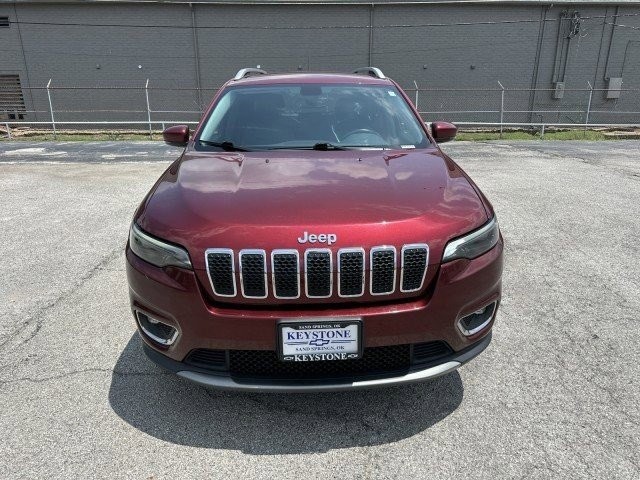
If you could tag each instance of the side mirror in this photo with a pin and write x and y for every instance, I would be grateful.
(443, 131)
(178, 135)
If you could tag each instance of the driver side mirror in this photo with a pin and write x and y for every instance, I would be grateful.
(443, 131)
(178, 135)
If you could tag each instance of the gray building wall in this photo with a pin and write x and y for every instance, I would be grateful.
(231, 36)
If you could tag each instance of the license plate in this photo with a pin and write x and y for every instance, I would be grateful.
(319, 341)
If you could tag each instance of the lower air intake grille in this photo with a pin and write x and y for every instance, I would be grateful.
(207, 359)
(319, 273)
(430, 351)
(265, 364)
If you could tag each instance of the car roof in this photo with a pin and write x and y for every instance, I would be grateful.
(325, 78)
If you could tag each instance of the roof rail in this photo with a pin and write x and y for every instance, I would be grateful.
(371, 71)
(245, 72)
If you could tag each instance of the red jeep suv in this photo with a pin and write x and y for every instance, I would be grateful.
(312, 236)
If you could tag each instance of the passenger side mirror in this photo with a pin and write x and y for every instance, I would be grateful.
(443, 131)
(178, 135)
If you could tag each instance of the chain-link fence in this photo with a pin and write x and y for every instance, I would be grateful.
(149, 108)
(522, 107)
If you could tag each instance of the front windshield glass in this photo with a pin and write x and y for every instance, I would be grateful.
(305, 116)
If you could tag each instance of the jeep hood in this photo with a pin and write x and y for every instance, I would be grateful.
(269, 199)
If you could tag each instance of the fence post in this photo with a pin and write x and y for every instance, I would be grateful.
(8, 130)
(501, 108)
(416, 84)
(146, 94)
(53, 121)
(586, 120)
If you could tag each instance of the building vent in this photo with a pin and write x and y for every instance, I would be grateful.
(11, 98)
(614, 87)
(558, 90)
(4, 22)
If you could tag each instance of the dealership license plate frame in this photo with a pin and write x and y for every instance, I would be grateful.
(318, 323)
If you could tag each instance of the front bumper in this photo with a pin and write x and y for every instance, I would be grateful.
(175, 297)
(227, 382)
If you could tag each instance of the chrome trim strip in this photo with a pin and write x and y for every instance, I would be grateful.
(426, 265)
(382, 248)
(306, 277)
(273, 270)
(230, 384)
(233, 269)
(364, 267)
(253, 251)
(155, 338)
(483, 325)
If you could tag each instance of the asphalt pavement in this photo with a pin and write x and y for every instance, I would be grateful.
(556, 395)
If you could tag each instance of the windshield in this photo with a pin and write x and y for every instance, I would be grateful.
(305, 116)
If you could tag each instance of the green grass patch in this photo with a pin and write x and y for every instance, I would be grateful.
(82, 137)
(523, 135)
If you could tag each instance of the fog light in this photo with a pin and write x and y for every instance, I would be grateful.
(156, 330)
(471, 324)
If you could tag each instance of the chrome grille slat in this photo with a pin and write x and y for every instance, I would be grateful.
(318, 263)
(415, 258)
(253, 273)
(285, 273)
(382, 270)
(351, 272)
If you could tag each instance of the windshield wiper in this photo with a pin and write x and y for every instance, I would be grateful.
(227, 146)
(324, 146)
(318, 146)
(372, 147)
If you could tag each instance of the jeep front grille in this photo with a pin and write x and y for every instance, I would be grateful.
(221, 271)
(291, 274)
(414, 267)
(286, 273)
(253, 273)
(383, 270)
(318, 273)
(351, 272)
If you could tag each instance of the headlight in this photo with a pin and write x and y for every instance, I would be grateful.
(155, 251)
(473, 244)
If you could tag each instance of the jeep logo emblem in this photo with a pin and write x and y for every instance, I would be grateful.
(328, 238)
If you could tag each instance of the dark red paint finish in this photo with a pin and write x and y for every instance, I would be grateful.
(443, 131)
(178, 135)
(266, 200)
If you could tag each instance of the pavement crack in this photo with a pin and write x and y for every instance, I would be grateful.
(81, 371)
(37, 319)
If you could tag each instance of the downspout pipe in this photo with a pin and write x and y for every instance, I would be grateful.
(196, 52)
